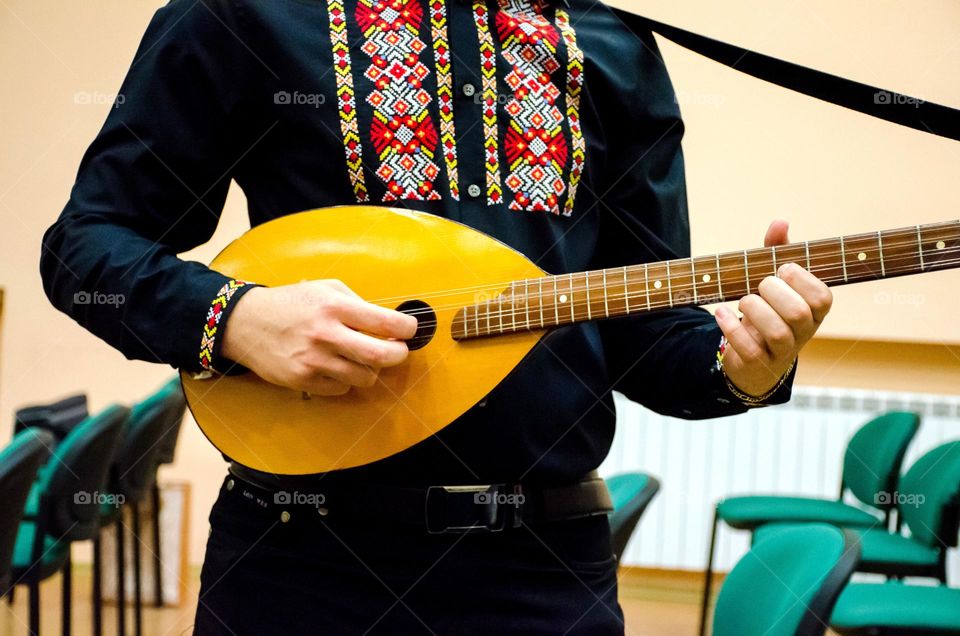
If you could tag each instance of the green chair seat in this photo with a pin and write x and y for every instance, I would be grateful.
(749, 512)
(877, 548)
(912, 609)
(54, 552)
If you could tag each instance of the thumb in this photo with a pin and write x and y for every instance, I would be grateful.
(777, 233)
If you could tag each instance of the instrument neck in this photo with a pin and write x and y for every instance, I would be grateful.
(551, 301)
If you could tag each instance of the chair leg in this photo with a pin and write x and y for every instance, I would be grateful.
(137, 590)
(157, 560)
(35, 606)
(121, 579)
(708, 579)
(66, 594)
(97, 591)
(10, 594)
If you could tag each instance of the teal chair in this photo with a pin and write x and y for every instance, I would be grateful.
(168, 446)
(631, 493)
(64, 506)
(928, 503)
(787, 585)
(19, 463)
(896, 609)
(131, 475)
(871, 467)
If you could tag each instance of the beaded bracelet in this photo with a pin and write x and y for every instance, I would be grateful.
(750, 400)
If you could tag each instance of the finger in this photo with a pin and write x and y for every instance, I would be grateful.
(789, 305)
(813, 290)
(748, 348)
(325, 387)
(367, 350)
(378, 321)
(777, 233)
(349, 372)
(777, 335)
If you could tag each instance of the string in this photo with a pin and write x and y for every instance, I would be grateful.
(563, 313)
(687, 285)
(889, 242)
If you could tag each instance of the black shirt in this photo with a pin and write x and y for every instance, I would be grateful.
(552, 127)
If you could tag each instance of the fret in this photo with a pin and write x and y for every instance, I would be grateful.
(693, 279)
(500, 311)
(746, 270)
(883, 267)
(719, 279)
(646, 282)
(843, 259)
(773, 251)
(573, 315)
(586, 277)
(526, 301)
(556, 308)
(806, 249)
(542, 322)
(626, 292)
(920, 249)
(489, 330)
(669, 285)
(606, 304)
(476, 319)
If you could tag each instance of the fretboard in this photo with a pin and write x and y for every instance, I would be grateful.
(551, 301)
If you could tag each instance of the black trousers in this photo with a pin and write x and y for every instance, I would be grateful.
(313, 574)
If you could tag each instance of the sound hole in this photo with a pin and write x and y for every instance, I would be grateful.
(426, 323)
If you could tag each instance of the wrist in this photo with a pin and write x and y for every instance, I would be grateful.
(239, 326)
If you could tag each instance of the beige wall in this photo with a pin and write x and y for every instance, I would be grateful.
(753, 152)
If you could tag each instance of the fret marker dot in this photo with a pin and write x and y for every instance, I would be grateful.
(657, 284)
(563, 298)
(861, 256)
(706, 278)
(941, 245)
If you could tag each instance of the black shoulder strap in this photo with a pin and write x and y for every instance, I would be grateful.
(869, 100)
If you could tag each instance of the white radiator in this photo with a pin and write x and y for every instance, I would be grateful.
(796, 448)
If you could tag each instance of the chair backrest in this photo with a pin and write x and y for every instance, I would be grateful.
(788, 583)
(72, 482)
(874, 456)
(630, 493)
(928, 498)
(19, 463)
(57, 417)
(136, 461)
(178, 408)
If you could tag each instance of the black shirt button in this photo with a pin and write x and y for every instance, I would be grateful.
(474, 190)
(469, 90)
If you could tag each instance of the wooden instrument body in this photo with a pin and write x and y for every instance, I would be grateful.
(387, 256)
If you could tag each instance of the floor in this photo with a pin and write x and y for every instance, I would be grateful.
(653, 606)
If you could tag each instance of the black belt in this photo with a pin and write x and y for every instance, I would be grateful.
(437, 509)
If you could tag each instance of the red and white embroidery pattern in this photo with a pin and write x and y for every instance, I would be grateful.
(441, 56)
(574, 87)
(488, 71)
(534, 144)
(402, 132)
(346, 98)
(212, 326)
